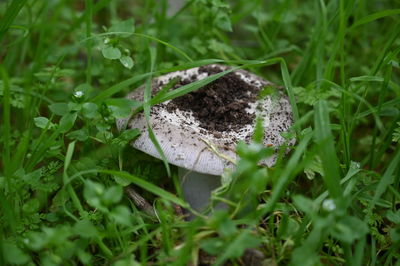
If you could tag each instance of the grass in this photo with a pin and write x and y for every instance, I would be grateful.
(65, 67)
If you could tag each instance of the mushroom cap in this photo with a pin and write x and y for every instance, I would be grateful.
(184, 141)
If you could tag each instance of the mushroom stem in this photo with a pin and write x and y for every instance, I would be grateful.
(197, 188)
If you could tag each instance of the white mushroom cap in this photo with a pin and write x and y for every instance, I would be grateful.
(181, 137)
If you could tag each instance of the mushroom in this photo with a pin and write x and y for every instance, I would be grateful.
(217, 115)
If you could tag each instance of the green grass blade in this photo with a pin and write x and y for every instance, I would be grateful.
(324, 139)
(126, 83)
(68, 156)
(44, 143)
(203, 82)
(231, 249)
(289, 88)
(177, 50)
(6, 125)
(146, 109)
(383, 92)
(386, 180)
(191, 87)
(12, 11)
(119, 87)
(18, 158)
(353, 170)
(289, 172)
(72, 194)
(89, 14)
(375, 16)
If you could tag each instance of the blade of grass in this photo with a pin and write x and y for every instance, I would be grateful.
(389, 40)
(44, 142)
(126, 83)
(374, 110)
(25, 34)
(338, 48)
(18, 158)
(324, 139)
(383, 92)
(288, 85)
(11, 13)
(203, 82)
(362, 100)
(88, 15)
(385, 181)
(315, 46)
(72, 194)
(231, 248)
(146, 109)
(8, 214)
(200, 83)
(177, 50)
(345, 101)
(359, 252)
(289, 172)
(191, 87)
(119, 87)
(6, 124)
(2, 249)
(353, 170)
(375, 16)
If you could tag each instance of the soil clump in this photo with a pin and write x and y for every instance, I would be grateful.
(220, 105)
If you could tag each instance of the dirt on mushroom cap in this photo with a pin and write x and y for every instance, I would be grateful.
(221, 105)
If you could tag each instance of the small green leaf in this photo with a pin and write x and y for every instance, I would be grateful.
(14, 255)
(59, 108)
(395, 235)
(349, 229)
(121, 108)
(125, 26)
(31, 206)
(212, 246)
(74, 106)
(396, 133)
(112, 195)
(111, 52)
(90, 110)
(80, 134)
(127, 261)
(218, 46)
(121, 215)
(122, 181)
(85, 229)
(92, 193)
(126, 61)
(236, 247)
(223, 21)
(67, 122)
(393, 216)
(126, 136)
(84, 257)
(42, 122)
(304, 204)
